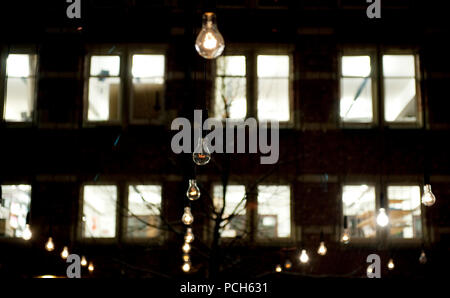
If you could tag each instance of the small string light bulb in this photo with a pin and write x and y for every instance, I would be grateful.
(382, 218)
(83, 261)
(91, 267)
(428, 198)
(27, 233)
(304, 258)
(186, 247)
(278, 268)
(187, 217)
(288, 264)
(49, 246)
(193, 192)
(390, 264)
(322, 250)
(186, 266)
(189, 237)
(423, 257)
(65, 252)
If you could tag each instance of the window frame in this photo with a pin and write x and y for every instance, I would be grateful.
(251, 54)
(22, 50)
(162, 236)
(102, 51)
(19, 239)
(79, 229)
(145, 50)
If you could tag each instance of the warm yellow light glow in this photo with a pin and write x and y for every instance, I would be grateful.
(209, 43)
(186, 247)
(186, 267)
(186, 258)
(278, 268)
(91, 267)
(49, 246)
(391, 264)
(304, 258)
(288, 264)
(189, 237)
(187, 217)
(428, 198)
(83, 261)
(322, 250)
(345, 237)
(382, 218)
(27, 233)
(47, 276)
(65, 252)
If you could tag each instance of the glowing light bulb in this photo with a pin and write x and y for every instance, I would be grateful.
(65, 252)
(288, 264)
(345, 237)
(390, 264)
(322, 250)
(304, 258)
(27, 233)
(370, 269)
(186, 258)
(83, 261)
(186, 248)
(193, 192)
(423, 257)
(186, 266)
(428, 198)
(382, 218)
(278, 268)
(187, 217)
(209, 43)
(49, 246)
(202, 154)
(91, 267)
(189, 237)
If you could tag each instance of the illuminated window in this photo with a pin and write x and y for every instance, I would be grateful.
(14, 209)
(404, 211)
(234, 205)
(356, 89)
(273, 87)
(230, 97)
(400, 100)
(144, 209)
(148, 87)
(20, 87)
(274, 211)
(359, 207)
(104, 88)
(99, 211)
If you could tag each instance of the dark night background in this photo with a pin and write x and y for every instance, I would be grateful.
(57, 154)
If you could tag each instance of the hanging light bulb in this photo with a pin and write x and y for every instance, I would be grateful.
(83, 261)
(428, 198)
(186, 257)
(65, 252)
(193, 192)
(202, 154)
(345, 237)
(288, 264)
(91, 267)
(304, 258)
(370, 269)
(209, 43)
(49, 246)
(186, 248)
(187, 217)
(186, 266)
(189, 237)
(278, 268)
(382, 218)
(322, 250)
(423, 257)
(390, 264)
(27, 233)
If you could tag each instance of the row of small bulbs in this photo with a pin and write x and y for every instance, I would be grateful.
(50, 246)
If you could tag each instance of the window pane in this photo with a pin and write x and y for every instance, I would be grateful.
(105, 66)
(273, 66)
(404, 211)
(147, 99)
(13, 212)
(356, 100)
(274, 211)
(144, 207)
(400, 100)
(359, 207)
(99, 211)
(145, 66)
(398, 66)
(19, 99)
(356, 66)
(231, 66)
(273, 99)
(231, 91)
(20, 66)
(103, 99)
(233, 205)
